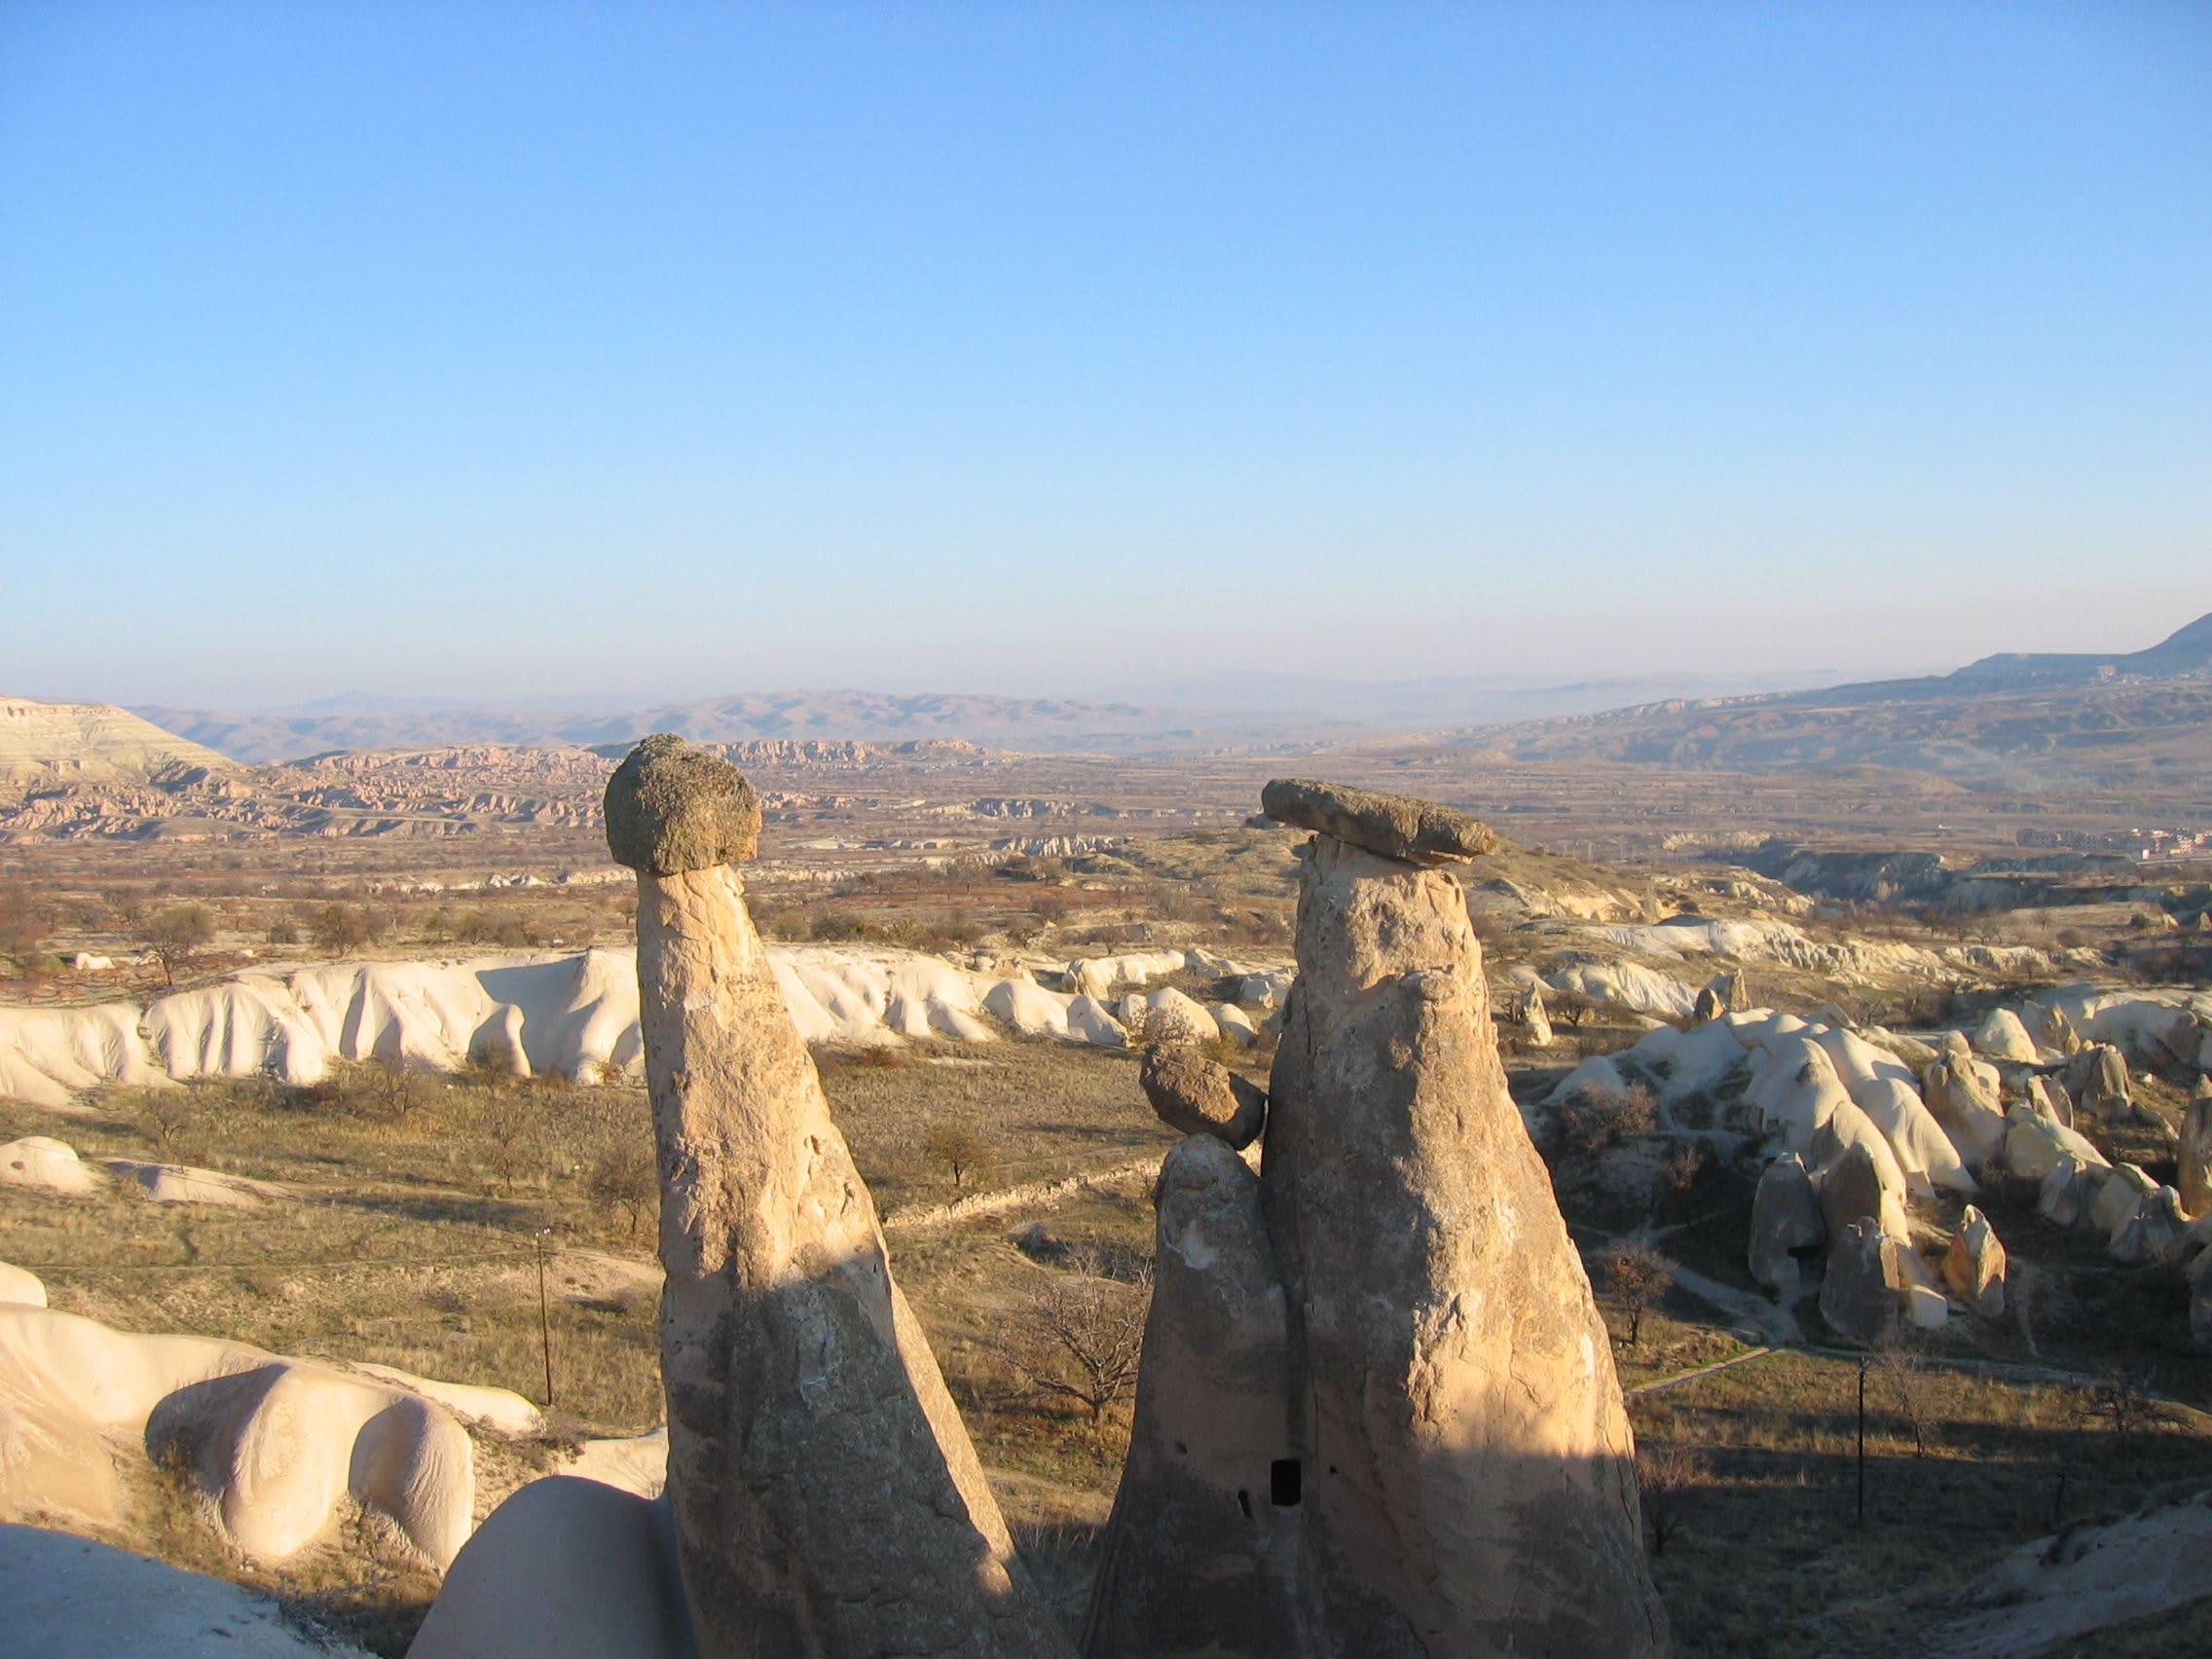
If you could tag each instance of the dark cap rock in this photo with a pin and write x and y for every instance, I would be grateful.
(1397, 826)
(671, 808)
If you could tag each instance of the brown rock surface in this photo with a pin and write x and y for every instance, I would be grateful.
(2194, 1155)
(1196, 1095)
(1200, 1559)
(2097, 1079)
(1975, 1265)
(1866, 1280)
(827, 1499)
(1467, 1478)
(1397, 826)
(671, 808)
(1735, 990)
(1785, 1218)
(1964, 1103)
(2049, 1025)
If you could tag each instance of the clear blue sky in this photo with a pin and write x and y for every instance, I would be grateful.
(524, 350)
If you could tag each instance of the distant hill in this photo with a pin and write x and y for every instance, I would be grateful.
(1320, 707)
(2015, 721)
(868, 716)
(64, 743)
(1213, 711)
(2183, 655)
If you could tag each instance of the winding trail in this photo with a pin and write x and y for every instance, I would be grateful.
(1045, 1192)
(1691, 1376)
(1775, 1323)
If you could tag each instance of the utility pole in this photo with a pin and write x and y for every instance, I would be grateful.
(545, 1321)
(1862, 1437)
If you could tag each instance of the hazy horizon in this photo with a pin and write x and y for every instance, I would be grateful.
(1179, 693)
(660, 352)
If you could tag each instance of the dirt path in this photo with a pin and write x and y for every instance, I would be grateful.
(1776, 1324)
(1680, 1377)
(1045, 1194)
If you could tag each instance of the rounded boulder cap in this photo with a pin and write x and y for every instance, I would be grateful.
(671, 808)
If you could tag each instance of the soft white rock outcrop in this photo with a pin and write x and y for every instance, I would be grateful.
(278, 1445)
(574, 1016)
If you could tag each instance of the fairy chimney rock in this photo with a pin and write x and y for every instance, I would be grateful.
(827, 1499)
(1460, 1457)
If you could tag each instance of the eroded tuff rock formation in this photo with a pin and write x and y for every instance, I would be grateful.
(1200, 1560)
(1442, 1464)
(827, 1499)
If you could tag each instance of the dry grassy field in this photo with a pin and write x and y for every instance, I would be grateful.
(422, 1206)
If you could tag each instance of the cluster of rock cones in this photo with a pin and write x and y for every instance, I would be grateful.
(1377, 1413)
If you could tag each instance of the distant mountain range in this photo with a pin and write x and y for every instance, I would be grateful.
(2014, 721)
(1044, 724)
(2183, 655)
(1214, 711)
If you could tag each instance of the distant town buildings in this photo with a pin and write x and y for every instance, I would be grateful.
(2143, 845)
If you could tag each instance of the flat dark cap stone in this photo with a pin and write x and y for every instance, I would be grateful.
(1398, 827)
(671, 808)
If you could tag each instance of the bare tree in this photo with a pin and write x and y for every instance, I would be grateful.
(1572, 1008)
(1639, 1276)
(1077, 1335)
(1907, 1376)
(1672, 1479)
(957, 1150)
(175, 936)
(1599, 1117)
(2125, 1402)
(396, 1089)
(624, 1177)
(169, 1116)
(343, 929)
(511, 1126)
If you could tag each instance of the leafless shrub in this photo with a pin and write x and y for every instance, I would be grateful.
(1911, 1389)
(1672, 1481)
(395, 1089)
(23, 929)
(1684, 1164)
(1599, 1118)
(510, 1123)
(167, 1117)
(343, 929)
(625, 1178)
(175, 936)
(1638, 1276)
(2124, 1402)
(1077, 1335)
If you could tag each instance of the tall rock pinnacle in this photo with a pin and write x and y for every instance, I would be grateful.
(827, 1499)
(1453, 1471)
